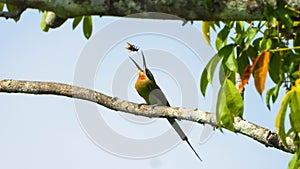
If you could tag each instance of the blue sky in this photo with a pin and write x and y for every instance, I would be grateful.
(46, 132)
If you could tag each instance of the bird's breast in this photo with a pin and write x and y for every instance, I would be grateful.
(151, 93)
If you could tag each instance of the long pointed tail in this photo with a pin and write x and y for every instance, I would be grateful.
(179, 131)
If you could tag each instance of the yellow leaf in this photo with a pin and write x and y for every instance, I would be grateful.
(43, 23)
(282, 110)
(291, 99)
(297, 85)
(260, 73)
(247, 73)
(246, 76)
(206, 31)
(279, 124)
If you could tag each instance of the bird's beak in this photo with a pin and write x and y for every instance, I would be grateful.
(139, 68)
(144, 62)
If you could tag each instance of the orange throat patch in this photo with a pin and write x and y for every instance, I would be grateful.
(142, 76)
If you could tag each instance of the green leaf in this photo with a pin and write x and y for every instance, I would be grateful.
(252, 51)
(1, 6)
(250, 33)
(274, 67)
(229, 24)
(294, 58)
(268, 96)
(227, 119)
(76, 21)
(231, 62)
(43, 24)
(217, 23)
(243, 59)
(234, 99)
(269, 43)
(295, 75)
(256, 43)
(295, 109)
(271, 33)
(288, 64)
(87, 26)
(213, 25)
(227, 53)
(272, 93)
(221, 106)
(295, 121)
(295, 162)
(273, 22)
(211, 67)
(12, 8)
(297, 42)
(288, 22)
(240, 33)
(223, 71)
(239, 26)
(203, 82)
(229, 105)
(208, 72)
(222, 37)
(239, 39)
(265, 44)
(276, 91)
(291, 67)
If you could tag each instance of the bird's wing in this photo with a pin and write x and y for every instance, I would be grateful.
(157, 97)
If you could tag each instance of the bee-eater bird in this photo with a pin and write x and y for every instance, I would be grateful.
(153, 95)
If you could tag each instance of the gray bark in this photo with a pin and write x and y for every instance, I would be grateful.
(213, 10)
(262, 135)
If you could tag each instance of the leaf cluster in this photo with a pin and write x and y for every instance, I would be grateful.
(259, 49)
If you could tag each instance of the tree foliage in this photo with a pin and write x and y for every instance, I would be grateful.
(259, 49)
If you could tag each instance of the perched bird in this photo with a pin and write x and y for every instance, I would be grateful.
(148, 89)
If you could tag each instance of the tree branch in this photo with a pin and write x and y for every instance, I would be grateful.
(262, 135)
(190, 10)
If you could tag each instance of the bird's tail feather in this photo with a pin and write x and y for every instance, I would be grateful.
(181, 134)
